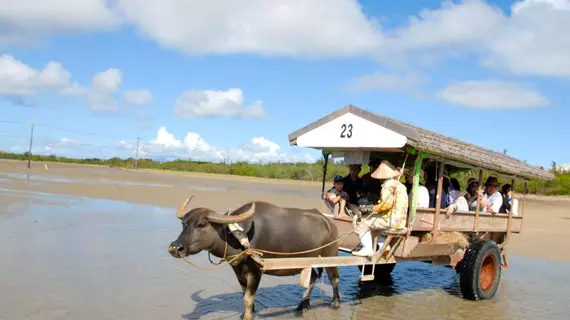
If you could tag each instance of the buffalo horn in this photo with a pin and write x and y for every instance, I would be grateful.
(227, 219)
(182, 209)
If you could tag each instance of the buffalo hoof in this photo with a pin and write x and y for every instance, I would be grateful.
(243, 317)
(334, 305)
(303, 306)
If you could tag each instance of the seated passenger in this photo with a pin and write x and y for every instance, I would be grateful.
(491, 200)
(391, 210)
(495, 199)
(454, 190)
(508, 202)
(422, 200)
(337, 197)
(353, 185)
(507, 194)
(431, 185)
(457, 201)
(372, 186)
(472, 188)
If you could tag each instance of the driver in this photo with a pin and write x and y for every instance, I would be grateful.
(391, 209)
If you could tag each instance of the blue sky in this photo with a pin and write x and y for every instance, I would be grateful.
(495, 74)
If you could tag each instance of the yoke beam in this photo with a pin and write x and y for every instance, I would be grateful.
(320, 262)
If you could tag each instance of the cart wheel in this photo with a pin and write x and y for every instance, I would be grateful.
(480, 271)
(381, 272)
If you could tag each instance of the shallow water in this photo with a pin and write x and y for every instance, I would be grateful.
(77, 258)
(203, 184)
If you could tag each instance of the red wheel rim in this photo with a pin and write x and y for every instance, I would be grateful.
(488, 273)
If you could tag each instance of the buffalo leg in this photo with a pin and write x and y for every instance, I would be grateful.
(243, 282)
(305, 302)
(253, 280)
(334, 279)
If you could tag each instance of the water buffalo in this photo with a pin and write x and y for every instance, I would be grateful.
(268, 227)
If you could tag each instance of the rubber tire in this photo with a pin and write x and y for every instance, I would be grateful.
(381, 271)
(470, 270)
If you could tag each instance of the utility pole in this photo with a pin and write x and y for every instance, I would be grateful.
(137, 156)
(30, 150)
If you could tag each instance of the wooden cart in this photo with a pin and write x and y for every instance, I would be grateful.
(358, 136)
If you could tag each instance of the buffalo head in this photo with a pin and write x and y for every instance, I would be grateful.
(200, 228)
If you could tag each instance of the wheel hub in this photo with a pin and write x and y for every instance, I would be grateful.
(488, 273)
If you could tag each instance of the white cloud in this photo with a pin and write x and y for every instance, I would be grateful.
(108, 80)
(492, 94)
(262, 145)
(100, 96)
(22, 20)
(60, 146)
(166, 140)
(278, 27)
(138, 97)
(526, 42)
(564, 167)
(259, 150)
(212, 103)
(19, 79)
(255, 110)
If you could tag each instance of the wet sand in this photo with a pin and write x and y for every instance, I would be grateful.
(86, 242)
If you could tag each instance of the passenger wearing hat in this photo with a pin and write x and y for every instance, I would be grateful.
(337, 197)
(392, 207)
(491, 200)
(494, 197)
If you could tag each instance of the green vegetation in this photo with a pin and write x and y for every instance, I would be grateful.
(295, 171)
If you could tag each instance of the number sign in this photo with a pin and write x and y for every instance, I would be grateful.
(346, 131)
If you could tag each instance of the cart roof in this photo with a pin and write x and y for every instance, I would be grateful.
(352, 128)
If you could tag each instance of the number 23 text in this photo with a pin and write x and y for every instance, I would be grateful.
(346, 131)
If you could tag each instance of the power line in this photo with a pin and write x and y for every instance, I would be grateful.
(98, 134)
(60, 128)
(12, 121)
(9, 135)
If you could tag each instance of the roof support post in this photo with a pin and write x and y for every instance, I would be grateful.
(435, 229)
(417, 170)
(476, 222)
(326, 156)
(521, 212)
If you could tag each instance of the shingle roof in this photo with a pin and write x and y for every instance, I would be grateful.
(438, 144)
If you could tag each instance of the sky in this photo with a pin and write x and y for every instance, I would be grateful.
(228, 80)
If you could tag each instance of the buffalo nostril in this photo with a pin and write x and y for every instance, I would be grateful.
(180, 248)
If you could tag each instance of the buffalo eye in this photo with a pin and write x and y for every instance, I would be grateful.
(201, 224)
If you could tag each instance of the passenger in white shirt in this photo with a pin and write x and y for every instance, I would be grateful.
(422, 200)
(494, 197)
(491, 200)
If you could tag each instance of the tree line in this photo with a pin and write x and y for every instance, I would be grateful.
(294, 171)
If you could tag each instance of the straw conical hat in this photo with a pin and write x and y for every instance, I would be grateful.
(385, 171)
